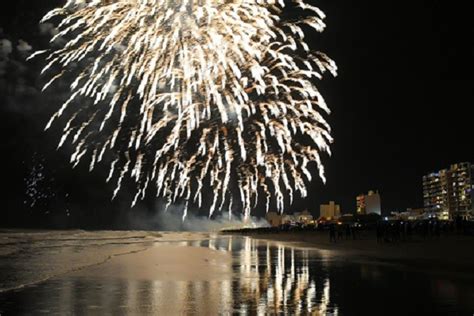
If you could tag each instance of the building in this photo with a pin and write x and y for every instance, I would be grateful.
(411, 214)
(360, 204)
(329, 211)
(462, 186)
(449, 192)
(372, 203)
(369, 203)
(415, 213)
(274, 219)
(289, 219)
(304, 217)
(437, 190)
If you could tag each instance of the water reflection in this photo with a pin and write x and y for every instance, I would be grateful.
(277, 279)
(263, 278)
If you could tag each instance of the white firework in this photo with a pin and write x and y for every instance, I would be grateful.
(192, 96)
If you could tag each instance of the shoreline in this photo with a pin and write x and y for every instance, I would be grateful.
(210, 274)
(449, 254)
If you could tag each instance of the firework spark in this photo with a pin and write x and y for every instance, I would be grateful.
(192, 95)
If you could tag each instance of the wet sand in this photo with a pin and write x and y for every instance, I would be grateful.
(33, 257)
(164, 263)
(149, 273)
(450, 254)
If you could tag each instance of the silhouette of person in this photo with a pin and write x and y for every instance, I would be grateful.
(332, 233)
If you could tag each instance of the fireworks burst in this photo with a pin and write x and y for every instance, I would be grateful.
(205, 94)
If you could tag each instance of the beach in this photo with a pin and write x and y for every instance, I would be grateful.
(176, 273)
(451, 253)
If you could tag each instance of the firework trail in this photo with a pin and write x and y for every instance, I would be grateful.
(190, 96)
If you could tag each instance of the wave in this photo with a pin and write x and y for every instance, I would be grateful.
(76, 269)
(32, 257)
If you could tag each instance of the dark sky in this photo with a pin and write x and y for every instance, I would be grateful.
(401, 104)
(401, 108)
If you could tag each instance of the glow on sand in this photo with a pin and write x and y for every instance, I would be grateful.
(186, 96)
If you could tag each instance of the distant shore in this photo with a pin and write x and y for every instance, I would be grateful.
(449, 253)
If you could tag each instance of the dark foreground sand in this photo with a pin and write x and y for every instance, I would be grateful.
(451, 254)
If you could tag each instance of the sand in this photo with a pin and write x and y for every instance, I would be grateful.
(33, 257)
(115, 273)
(165, 263)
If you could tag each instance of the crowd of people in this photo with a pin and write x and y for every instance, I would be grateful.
(393, 231)
(398, 230)
(341, 231)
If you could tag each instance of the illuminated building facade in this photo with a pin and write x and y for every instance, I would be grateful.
(369, 203)
(449, 192)
(360, 200)
(302, 218)
(329, 211)
(274, 219)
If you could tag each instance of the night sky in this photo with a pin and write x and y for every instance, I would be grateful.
(401, 109)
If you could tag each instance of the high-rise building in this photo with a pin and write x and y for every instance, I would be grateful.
(462, 182)
(331, 210)
(360, 200)
(369, 203)
(449, 192)
(436, 192)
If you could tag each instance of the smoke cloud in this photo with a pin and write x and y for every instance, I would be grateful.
(172, 220)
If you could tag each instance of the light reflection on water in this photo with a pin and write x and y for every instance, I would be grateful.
(263, 278)
(275, 279)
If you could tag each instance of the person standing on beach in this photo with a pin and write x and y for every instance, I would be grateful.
(379, 232)
(340, 232)
(332, 233)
